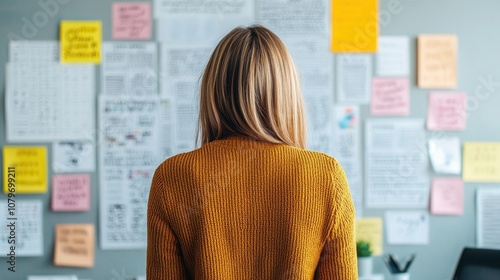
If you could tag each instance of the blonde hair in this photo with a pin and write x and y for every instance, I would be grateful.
(250, 87)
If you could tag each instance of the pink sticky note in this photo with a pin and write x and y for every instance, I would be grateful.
(71, 192)
(131, 20)
(390, 97)
(447, 196)
(447, 111)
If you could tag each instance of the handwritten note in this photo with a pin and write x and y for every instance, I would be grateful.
(390, 97)
(370, 230)
(25, 169)
(354, 25)
(71, 192)
(481, 162)
(447, 196)
(80, 41)
(407, 227)
(74, 245)
(131, 21)
(437, 61)
(447, 111)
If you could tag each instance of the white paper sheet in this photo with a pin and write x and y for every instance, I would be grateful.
(28, 227)
(393, 56)
(33, 51)
(315, 66)
(129, 68)
(396, 164)
(445, 155)
(303, 17)
(128, 156)
(354, 75)
(407, 227)
(167, 124)
(182, 68)
(200, 22)
(49, 102)
(488, 218)
(73, 156)
(347, 150)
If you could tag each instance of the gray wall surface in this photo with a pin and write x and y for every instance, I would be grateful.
(477, 26)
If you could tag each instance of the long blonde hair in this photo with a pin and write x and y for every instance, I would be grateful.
(250, 87)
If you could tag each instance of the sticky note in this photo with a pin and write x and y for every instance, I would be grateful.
(80, 41)
(481, 162)
(74, 245)
(370, 230)
(437, 61)
(131, 21)
(447, 111)
(390, 97)
(447, 196)
(71, 192)
(354, 25)
(25, 169)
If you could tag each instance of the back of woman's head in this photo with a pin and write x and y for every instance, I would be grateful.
(251, 88)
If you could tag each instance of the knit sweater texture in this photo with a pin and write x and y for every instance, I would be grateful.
(237, 208)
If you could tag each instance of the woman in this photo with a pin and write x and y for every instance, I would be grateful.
(251, 202)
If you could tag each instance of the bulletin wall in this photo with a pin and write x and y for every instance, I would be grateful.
(475, 23)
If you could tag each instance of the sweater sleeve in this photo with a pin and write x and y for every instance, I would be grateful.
(163, 255)
(338, 259)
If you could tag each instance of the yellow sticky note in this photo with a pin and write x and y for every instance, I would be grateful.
(370, 230)
(80, 41)
(354, 25)
(437, 61)
(481, 162)
(25, 169)
(74, 245)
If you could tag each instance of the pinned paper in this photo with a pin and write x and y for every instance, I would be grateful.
(354, 25)
(407, 227)
(446, 155)
(393, 56)
(447, 196)
(447, 111)
(390, 97)
(80, 41)
(131, 20)
(73, 156)
(437, 61)
(74, 245)
(71, 192)
(25, 169)
(370, 230)
(481, 162)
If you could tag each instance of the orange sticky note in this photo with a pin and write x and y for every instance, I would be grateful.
(437, 61)
(354, 25)
(74, 245)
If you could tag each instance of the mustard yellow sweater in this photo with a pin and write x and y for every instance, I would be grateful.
(244, 209)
